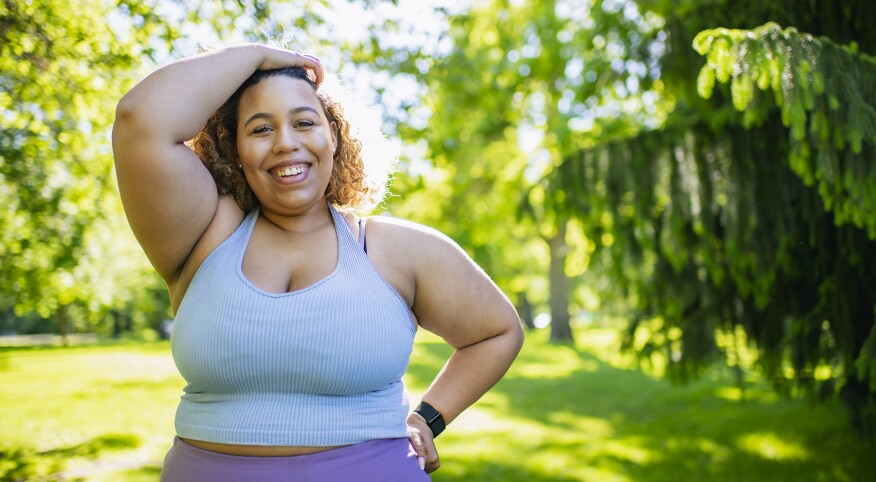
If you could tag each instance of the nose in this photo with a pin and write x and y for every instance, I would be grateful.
(286, 140)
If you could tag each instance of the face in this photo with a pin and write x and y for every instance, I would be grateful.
(286, 145)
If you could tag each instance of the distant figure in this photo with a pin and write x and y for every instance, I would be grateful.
(293, 326)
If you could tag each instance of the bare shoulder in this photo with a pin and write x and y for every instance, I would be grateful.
(417, 245)
(404, 233)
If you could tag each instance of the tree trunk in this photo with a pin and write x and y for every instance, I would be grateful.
(524, 310)
(63, 324)
(117, 324)
(559, 288)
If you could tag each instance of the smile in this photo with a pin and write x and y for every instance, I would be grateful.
(289, 171)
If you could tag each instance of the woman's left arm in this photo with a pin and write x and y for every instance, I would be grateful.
(456, 300)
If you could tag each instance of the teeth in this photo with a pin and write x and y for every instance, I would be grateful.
(290, 171)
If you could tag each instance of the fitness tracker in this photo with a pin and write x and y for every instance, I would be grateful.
(433, 418)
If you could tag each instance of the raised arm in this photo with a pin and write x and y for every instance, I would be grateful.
(169, 196)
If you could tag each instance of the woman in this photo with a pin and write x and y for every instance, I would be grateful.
(293, 323)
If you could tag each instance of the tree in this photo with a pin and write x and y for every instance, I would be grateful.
(61, 66)
(753, 227)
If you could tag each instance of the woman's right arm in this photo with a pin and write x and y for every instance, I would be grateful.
(169, 196)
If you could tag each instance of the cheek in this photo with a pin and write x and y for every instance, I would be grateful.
(244, 150)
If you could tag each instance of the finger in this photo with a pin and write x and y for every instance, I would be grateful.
(432, 459)
(312, 62)
(419, 448)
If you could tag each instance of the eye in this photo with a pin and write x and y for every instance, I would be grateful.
(261, 129)
(305, 123)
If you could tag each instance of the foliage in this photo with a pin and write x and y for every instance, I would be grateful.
(62, 65)
(711, 222)
(824, 93)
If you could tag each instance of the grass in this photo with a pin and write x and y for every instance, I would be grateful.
(563, 413)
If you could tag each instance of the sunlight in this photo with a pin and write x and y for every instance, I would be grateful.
(770, 446)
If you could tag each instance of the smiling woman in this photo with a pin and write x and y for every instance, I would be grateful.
(293, 328)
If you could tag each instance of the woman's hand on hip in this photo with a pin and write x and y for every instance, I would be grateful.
(421, 439)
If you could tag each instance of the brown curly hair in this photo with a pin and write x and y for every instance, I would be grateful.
(216, 146)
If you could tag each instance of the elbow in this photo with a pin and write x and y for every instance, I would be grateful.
(130, 125)
(121, 127)
(513, 334)
(517, 335)
(126, 111)
(133, 110)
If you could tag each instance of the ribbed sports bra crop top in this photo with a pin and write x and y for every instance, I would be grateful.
(319, 366)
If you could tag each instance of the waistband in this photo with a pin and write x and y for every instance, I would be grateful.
(382, 460)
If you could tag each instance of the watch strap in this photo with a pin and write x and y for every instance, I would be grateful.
(433, 418)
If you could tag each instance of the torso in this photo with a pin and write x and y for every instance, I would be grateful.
(274, 269)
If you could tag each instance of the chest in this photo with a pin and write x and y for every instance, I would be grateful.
(279, 262)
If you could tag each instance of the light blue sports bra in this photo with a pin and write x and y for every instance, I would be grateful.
(316, 367)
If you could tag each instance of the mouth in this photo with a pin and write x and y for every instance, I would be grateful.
(290, 171)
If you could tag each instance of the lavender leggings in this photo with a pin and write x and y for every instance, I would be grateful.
(386, 460)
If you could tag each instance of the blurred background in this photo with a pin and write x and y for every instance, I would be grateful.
(678, 196)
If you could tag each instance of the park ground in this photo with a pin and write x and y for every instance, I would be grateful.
(103, 411)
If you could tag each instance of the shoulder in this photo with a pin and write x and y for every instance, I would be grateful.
(406, 230)
(424, 253)
(408, 236)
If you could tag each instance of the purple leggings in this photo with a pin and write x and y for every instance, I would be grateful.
(386, 460)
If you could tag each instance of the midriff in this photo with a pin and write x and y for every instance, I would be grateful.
(256, 450)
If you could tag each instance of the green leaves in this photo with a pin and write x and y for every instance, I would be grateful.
(824, 92)
(63, 65)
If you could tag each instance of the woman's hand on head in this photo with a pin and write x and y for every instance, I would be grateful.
(421, 439)
(277, 58)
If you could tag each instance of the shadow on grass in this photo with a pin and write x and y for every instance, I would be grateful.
(19, 463)
(634, 427)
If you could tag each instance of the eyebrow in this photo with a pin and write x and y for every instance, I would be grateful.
(265, 115)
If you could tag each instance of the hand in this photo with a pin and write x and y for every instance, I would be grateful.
(423, 442)
(276, 58)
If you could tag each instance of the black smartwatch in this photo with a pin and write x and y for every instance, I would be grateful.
(433, 418)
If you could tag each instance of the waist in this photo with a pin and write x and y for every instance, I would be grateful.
(291, 421)
(256, 450)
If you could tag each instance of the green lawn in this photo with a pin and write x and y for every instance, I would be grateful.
(105, 413)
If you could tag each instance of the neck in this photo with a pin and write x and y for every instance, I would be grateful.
(312, 220)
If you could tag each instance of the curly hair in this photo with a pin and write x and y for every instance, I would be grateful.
(216, 145)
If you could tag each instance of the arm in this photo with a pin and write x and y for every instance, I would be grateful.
(169, 196)
(456, 300)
